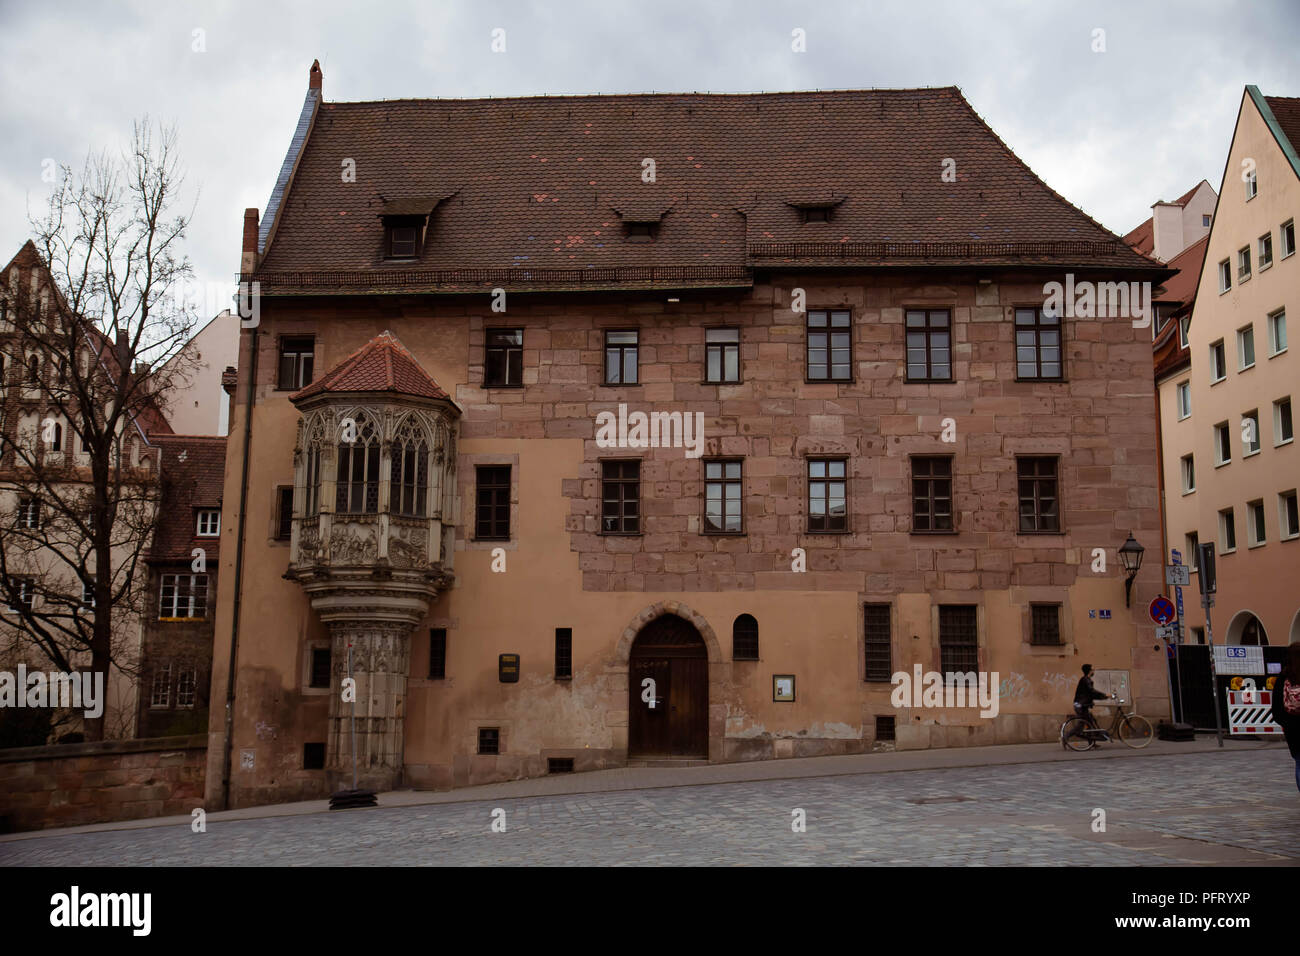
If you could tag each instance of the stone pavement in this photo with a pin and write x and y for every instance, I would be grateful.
(1188, 804)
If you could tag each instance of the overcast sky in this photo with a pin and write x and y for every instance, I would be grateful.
(1112, 131)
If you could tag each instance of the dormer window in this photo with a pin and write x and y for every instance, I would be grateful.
(816, 214)
(640, 231)
(402, 238)
(815, 207)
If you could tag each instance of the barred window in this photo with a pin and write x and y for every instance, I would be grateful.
(744, 638)
(321, 665)
(563, 653)
(1046, 623)
(437, 653)
(958, 639)
(879, 647)
(184, 596)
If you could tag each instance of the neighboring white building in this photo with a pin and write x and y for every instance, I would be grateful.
(1174, 226)
(199, 405)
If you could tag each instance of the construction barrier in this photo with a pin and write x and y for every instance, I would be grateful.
(1251, 712)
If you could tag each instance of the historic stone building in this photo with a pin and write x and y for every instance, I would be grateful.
(870, 444)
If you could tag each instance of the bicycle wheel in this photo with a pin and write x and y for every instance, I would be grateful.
(1074, 736)
(1135, 731)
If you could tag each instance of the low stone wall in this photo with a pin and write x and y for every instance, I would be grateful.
(76, 784)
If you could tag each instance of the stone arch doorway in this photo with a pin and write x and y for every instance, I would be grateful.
(674, 722)
(1246, 628)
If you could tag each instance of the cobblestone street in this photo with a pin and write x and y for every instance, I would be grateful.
(1196, 808)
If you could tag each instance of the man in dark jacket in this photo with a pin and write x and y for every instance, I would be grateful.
(1289, 680)
(1085, 694)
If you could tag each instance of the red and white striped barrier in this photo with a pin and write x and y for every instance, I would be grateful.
(1251, 712)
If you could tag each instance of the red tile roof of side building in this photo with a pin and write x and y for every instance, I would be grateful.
(540, 185)
(192, 471)
(1286, 109)
(1182, 287)
(381, 365)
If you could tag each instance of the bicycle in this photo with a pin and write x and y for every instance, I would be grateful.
(1134, 731)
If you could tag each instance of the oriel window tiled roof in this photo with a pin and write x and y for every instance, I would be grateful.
(381, 365)
(541, 182)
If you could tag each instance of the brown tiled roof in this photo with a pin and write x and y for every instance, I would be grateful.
(1143, 238)
(381, 365)
(539, 180)
(192, 471)
(1182, 287)
(1286, 109)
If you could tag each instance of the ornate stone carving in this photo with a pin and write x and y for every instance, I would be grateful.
(308, 543)
(408, 548)
(350, 544)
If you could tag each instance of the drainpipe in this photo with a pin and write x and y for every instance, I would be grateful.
(247, 268)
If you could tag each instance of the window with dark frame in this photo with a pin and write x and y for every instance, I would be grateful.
(958, 639)
(723, 486)
(621, 356)
(932, 494)
(621, 497)
(929, 345)
(885, 727)
(408, 489)
(503, 365)
(25, 589)
(402, 237)
(313, 756)
(284, 513)
(357, 487)
(1038, 345)
(721, 355)
(437, 653)
(183, 597)
(492, 503)
(489, 740)
(877, 643)
(1038, 492)
(564, 653)
(1045, 624)
(297, 361)
(830, 346)
(29, 513)
(744, 638)
(827, 494)
(320, 667)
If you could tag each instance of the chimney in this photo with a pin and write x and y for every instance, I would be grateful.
(314, 76)
(248, 260)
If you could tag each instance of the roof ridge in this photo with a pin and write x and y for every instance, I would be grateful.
(639, 95)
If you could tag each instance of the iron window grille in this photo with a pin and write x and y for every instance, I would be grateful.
(885, 727)
(877, 643)
(1045, 623)
(958, 639)
(437, 653)
(489, 740)
(563, 653)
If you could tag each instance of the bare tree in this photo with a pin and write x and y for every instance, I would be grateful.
(94, 316)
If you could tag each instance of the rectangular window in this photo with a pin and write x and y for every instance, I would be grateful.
(1283, 431)
(1288, 515)
(621, 356)
(1045, 623)
(1218, 362)
(1222, 444)
(403, 239)
(620, 497)
(186, 683)
(184, 596)
(1192, 542)
(284, 513)
(1038, 492)
(828, 494)
(1252, 186)
(437, 653)
(503, 365)
(297, 357)
(1256, 533)
(1038, 345)
(886, 727)
(932, 493)
(1245, 348)
(1188, 468)
(489, 740)
(88, 593)
(1265, 251)
(313, 756)
(830, 346)
(357, 489)
(722, 355)
(321, 665)
(25, 592)
(160, 694)
(209, 524)
(1225, 276)
(29, 513)
(1227, 531)
(958, 639)
(492, 503)
(1205, 222)
(1184, 400)
(722, 497)
(1243, 263)
(1277, 332)
(929, 345)
(878, 644)
(563, 653)
(1287, 233)
(1250, 433)
(1184, 323)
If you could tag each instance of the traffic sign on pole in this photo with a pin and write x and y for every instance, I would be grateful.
(1162, 610)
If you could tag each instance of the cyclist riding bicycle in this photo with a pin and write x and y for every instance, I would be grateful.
(1084, 695)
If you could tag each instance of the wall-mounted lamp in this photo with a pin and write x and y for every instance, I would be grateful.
(1130, 553)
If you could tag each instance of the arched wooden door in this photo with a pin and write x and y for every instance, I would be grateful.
(669, 651)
